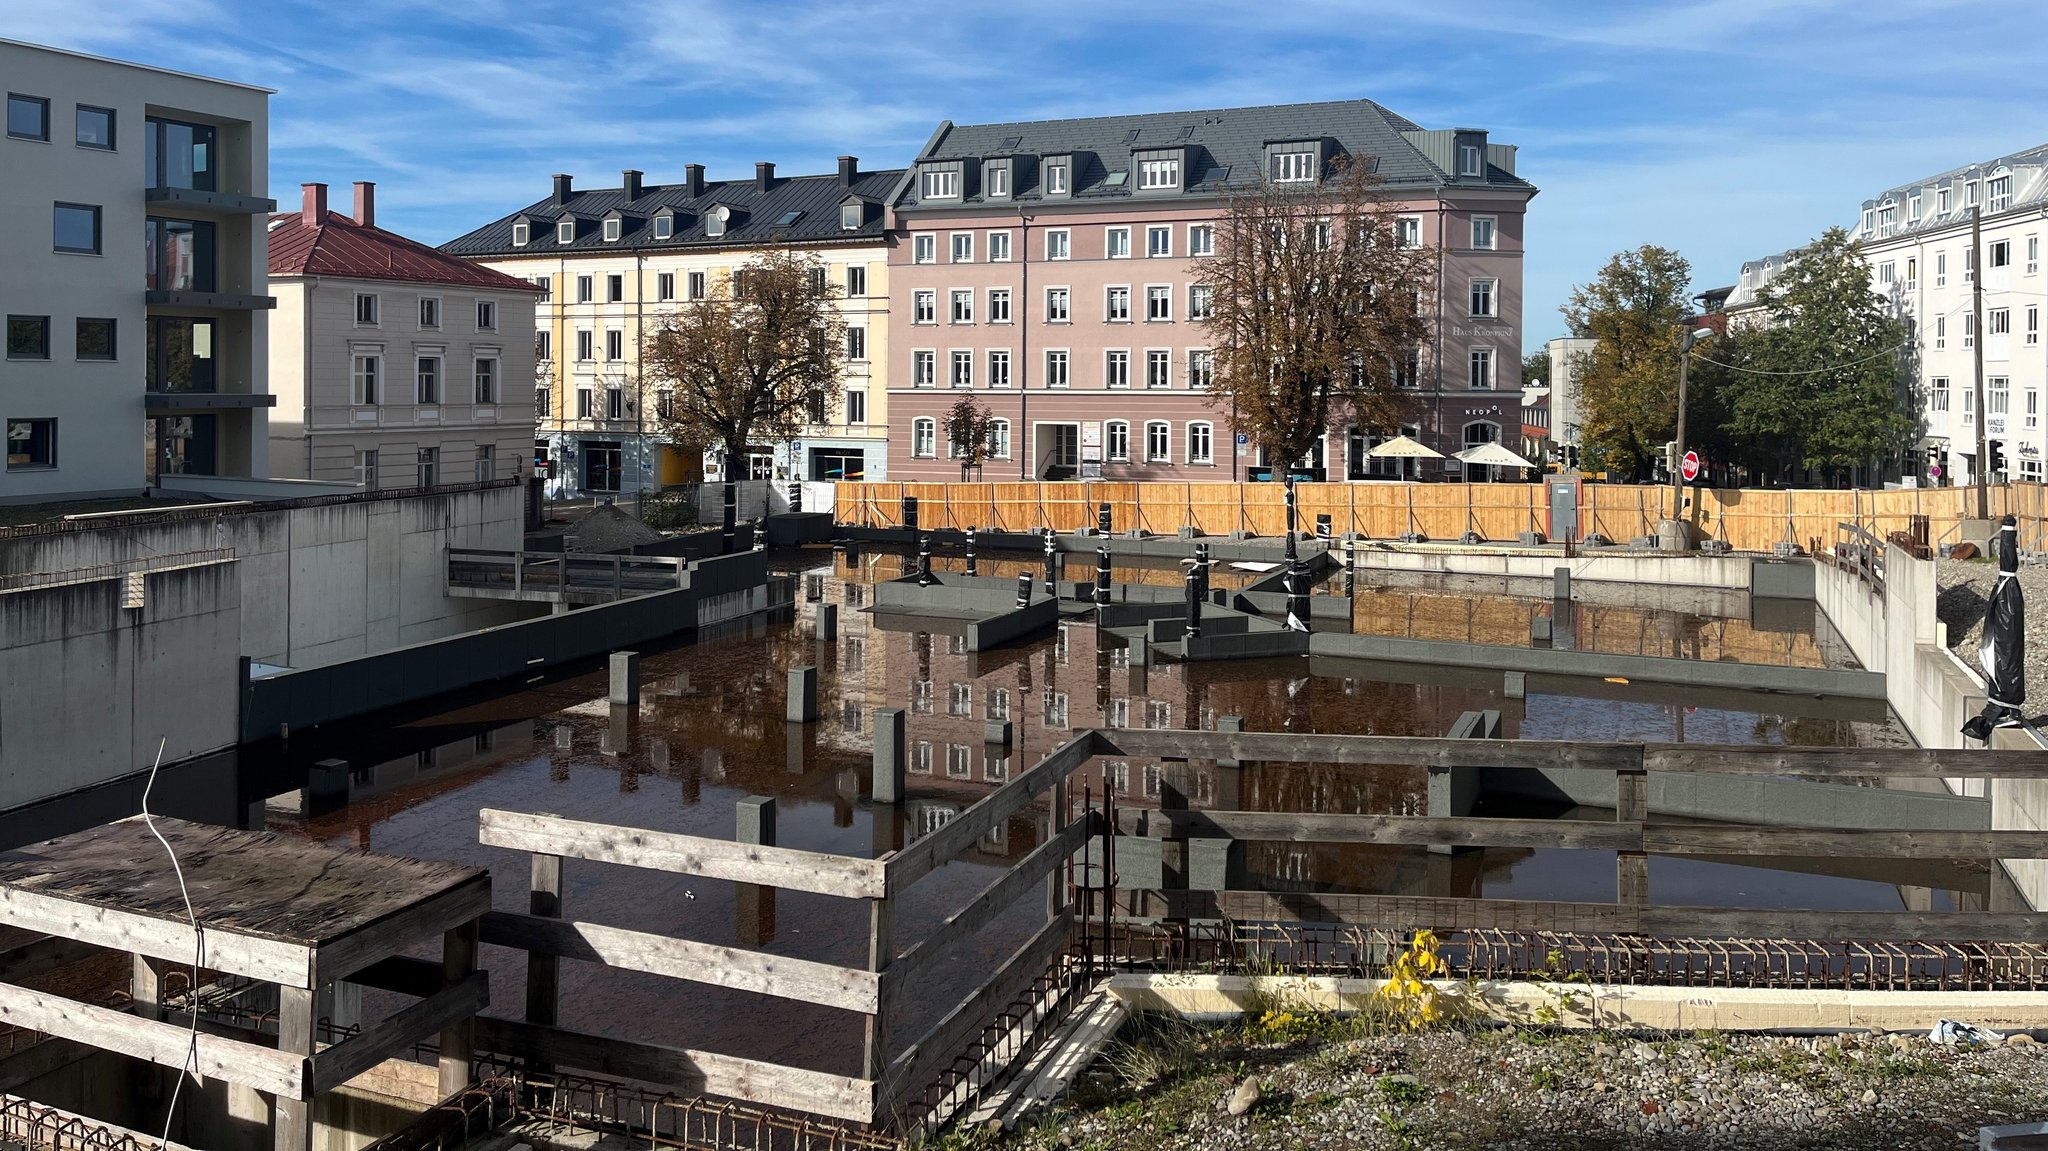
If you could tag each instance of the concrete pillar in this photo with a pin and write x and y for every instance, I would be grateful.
(1539, 631)
(625, 678)
(326, 788)
(618, 736)
(828, 622)
(1454, 790)
(754, 905)
(996, 732)
(1212, 863)
(1515, 685)
(889, 749)
(1229, 723)
(1561, 584)
(803, 695)
(795, 744)
(1141, 652)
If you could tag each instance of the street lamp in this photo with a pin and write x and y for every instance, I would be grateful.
(1677, 470)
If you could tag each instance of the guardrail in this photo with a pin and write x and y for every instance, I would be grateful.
(560, 576)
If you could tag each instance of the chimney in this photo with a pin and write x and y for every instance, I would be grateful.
(630, 181)
(764, 176)
(366, 203)
(693, 180)
(562, 189)
(849, 167)
(313, 204)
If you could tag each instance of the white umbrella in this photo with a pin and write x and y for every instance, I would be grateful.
(1403, 448)
(1495, 455)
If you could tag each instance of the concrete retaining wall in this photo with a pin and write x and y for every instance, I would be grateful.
(1014, 624)
(1538, 563)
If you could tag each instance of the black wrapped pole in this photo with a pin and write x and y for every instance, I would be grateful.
(730, 537)
(1202, 566)
(1023, 589)
(1102, 519)
(1194, 590)
(924, 561)
(1323, 526)
(910, 513)
(1052, 560)
(1297, 575)
(970, 551)
(1102, 574)
(796, 496)
(2003, 652)
(761, 533)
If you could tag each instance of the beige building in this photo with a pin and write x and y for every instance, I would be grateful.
(611, 262)
(393, 364)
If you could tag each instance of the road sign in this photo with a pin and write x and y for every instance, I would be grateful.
(1691, 466)
(1243, 439)
(796, 445)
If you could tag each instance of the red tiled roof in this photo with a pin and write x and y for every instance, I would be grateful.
(341, 247)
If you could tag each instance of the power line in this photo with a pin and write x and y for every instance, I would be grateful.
(1893, 350)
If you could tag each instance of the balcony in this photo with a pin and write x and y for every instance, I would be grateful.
(209, 301)
(168, 403)
(218, 203)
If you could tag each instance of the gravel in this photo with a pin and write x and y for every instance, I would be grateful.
(1965, 589)
(605, 528)
(1531, 1089)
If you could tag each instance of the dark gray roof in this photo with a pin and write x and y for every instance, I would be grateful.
(755, 220)
(1226, 145)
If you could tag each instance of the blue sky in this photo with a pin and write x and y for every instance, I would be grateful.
(1723, 128)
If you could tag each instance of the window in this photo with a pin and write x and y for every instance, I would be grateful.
(851, 216)
(924, 367)
(1468, 160)
(1056, 173)
(615, 289)
(429, 372)
(963, 247)
(856, 343)
(487, 380)
(999, 305)
(665, 403)
(962, 309)
(1969, 265)
(565, 230)
(28, 337)
(543, 402)
(1116, 441)
(178, 255)
(1117, 309)
(1116, 369)
(924, 437)
(486, 466)
(1408, 370)
(1408, 232)
(1999, 254)
(615, 404)
(1969, 406)
(363, 379)
(1887, 219)
(95, 128)
(664, 227)
(924, 249)
(1998, 394)
(366, 309)
(2000, 194)
(1056, 368)
(1201, 301)
(2033, 255)
(999, 368)
(1056, 305)
(1201, 369)
(962, 374)
(665, 286)
(1482, 297)
(1117, 243)
(95, 339)
(28, 118)
(584, 290)
(1158, 303)
(1201, 240)
(1969, 331)
(856, 280)
(76, 228)
(1158, 368)
(716, 219)
(612, 228)
(998, 247)
(1058, 244)
(1159, 174)
(1941, 201)
(941, 184)
(1937, 394)
(583, 404)
(1912, 270)
(1940, 268)
(366, 468)
(999, 437)
(1482, 367)
(1913, 209)
(546, 284)
(695, 282)
(1940, 332)
(430, 460)
(960, 700)
(2033, 325)
(584, 346)
(31, 443)
(430, 311)
(614, 345)
(924, 307)
(1294, 166)
(1483, 233)
(2033, 408)
(856, 406)
(1158, 442)
(1158, 242)
(178, 155)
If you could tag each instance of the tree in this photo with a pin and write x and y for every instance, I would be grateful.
(1626, 387)
(1536, 370)
(971, 428)
(760, 356)
(1820, 385)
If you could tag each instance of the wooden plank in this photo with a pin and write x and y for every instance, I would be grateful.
(696, 1072)
(963, 831)
(874, 1058)
(403, 974)
(905, 972)
(543, 971)
(1855, 843)
(912, 1071)
(165, 1044)
(458, 1035)
(394, 933)
(1905, 762)
(415, 1023)
(1469, 831)
(784, 867)
(780, 975)
(270, 960)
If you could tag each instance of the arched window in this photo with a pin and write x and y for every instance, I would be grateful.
(1481, 432)
(1116, 441)
(1201, 442)
(1158, 442)
(924, 437)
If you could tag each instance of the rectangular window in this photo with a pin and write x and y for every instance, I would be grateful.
(695, 283)
(1153, 174)
(962, 311)
(1940, 332)
(95, 128)
(546, 284)
(615, 345)
(612, 228)
(1056, 173)
(1408, 232)
(1940, 269)
(924, 438)
(543, 345)
(1482, 297)
(856, 280)
(664, 227)
(941, 184)
(851, 216)
(2001, 194)
(28, 117)
(2033, 325)
(924, 248)
(1201, 444)
(430, 312)
(429, 370)
(1201, 240)
(999, 305)
(1913, 209)
(1158, 241)
(487, 380)
(1969, 331)
(1482, 367)
(1158, 442)
(2033, 255)
(665, 286)
(856, 343)
(1158, 303)
(1294, 167)
(1058, 244)
(998, 247)
(585, 290)
(1969, 265)
(178, 155)
(1468, 160)
(615, 403)
(1116, 369)
(31, 443)
(565, 230)
(1937, 394)
(1999, 254)
(178, 255)
(366, 309)
(856, 406)
(999, 369)
(1201, 302)
(583, 403)
(2033, 408)
(1997, 395)
(366, 468)
(1941, 200)
(923, 369)
(1117, 308)
(430, 467)
(178, 355)
(924, 308)
(1116, 441)
(1056, 306)
(1201, 369)
(585, 346)
(28, 337)
(363, 379)
(962, 375)
(1887, 272)
(1482, 233)
(1117, 243)
(486, 463)
(95, 339)
(1159, 369)
(963, 247)
(1056, 368)
(76, 228)
(615, 289)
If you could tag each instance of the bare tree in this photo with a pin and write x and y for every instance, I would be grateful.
(760, 356)
(971, 428)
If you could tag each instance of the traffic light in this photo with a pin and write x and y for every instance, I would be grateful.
(1997, 457)
(1671, 456)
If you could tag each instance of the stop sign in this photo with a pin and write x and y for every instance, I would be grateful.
(1691, 465)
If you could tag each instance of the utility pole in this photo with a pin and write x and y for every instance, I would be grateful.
(1983, 465)
(1675, 463)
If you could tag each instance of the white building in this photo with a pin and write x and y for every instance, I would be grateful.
(134, 284)
(1566, 431)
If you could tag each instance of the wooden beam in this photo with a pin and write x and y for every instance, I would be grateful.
(458, 1034)
(1856, 843)
(963, 831)
(913, 1070)
(695, 1072)
(909, 967)
(415, 924)
(270, 960)
(784, 867)
(417, 978)
(780, 975)
(165, 1044)
(414, 1023)
(543, 971)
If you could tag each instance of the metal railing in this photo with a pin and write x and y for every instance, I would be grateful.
(559, 575)
(111, 571)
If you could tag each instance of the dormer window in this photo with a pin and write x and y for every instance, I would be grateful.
(715, 220)
(521, 233)
(565, 231)
(664, 226)
(1159, 174)
(613, 228)
(1913, 209)
(995, 179)
(1294, 164)
(1058, 176)
(940, 184)
(2000, 193)
(1469, 160)
(850, 216)
(1941, 201)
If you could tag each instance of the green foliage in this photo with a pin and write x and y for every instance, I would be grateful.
(1401, 1092)
(1627, 386)
(970, 428)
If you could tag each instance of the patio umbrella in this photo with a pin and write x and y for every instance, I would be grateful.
(1494, 455)
(1403, 448)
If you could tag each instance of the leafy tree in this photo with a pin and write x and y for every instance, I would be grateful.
(1536, 369)
(971, 428)
(759, 357)
(1627, 386)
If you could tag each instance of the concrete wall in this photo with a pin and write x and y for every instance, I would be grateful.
(1618, 567)
(92, 687)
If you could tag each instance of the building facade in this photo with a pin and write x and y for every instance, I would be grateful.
(394, 364)
(610, 263)
(1047, 270)
(116, 375)
(1566, 430)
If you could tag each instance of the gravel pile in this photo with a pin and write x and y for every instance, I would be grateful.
(1526, 1089)
(607, 529)
(1965, 589)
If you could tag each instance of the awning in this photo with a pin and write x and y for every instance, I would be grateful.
(1493, 455)
(1404, 448)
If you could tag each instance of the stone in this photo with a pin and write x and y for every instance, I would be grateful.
(1599, 1086)
(2019, 1039)
(1649, 1107)
(1900, 1042)
(1603, 1050)
(1869, 1096)
(1244, 1098)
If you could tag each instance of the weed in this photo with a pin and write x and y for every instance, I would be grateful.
(1401, 1092)
(1160, 1049)
(1546, 1079)
(1417, 1002)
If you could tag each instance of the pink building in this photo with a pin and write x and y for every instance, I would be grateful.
(1047, 269)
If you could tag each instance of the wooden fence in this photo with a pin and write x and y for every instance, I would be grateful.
(1749, 519)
